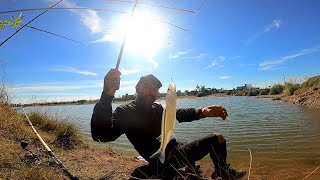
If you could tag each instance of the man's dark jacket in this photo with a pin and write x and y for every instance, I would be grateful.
(141, 125)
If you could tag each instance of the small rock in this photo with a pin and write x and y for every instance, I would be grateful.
(302, 99)
(28, 155)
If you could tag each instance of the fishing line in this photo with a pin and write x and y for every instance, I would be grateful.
(169, 37)
(203, 3)
(155, 5)
(94, 9)
(63, 8)
(54, 34)
(30, 22)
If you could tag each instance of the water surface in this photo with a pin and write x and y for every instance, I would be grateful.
(279, 135)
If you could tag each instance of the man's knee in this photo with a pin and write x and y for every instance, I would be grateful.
(220, 138)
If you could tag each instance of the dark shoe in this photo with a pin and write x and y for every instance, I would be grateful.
(227, 173)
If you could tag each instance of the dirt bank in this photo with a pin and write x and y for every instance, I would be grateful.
(307, 95)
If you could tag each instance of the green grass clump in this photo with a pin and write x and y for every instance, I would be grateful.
(290, 88)
(276, 89)
(67, 134)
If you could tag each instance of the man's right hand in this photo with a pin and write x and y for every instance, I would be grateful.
(111, 82)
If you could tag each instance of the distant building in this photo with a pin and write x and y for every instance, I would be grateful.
(245, 87)
(128, 97)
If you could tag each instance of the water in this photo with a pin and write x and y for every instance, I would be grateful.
(278, 134)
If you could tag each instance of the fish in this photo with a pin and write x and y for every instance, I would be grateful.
(168, 122)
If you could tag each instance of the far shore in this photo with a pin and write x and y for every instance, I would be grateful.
(115, 100)
(289, 99)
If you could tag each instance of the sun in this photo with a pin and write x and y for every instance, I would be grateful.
(145, 35)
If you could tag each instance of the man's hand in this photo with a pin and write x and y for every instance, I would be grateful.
(111, 82)
(214, 111)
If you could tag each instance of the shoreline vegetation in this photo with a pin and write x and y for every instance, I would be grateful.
(306, 94)
(85, 158)
(90, 160)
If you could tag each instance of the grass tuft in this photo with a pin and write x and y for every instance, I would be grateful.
(67, 134)
(12, 125)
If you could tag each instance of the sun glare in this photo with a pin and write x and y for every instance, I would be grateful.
(144, 34)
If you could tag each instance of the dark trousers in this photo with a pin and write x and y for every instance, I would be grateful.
(186, 154)
(180, 155)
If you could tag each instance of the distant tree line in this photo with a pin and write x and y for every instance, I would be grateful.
(200, 90)
(287, 89)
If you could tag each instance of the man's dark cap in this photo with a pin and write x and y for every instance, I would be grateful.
(149, 78)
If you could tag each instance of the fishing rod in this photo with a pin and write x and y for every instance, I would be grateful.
(30, 22)
(171, 24)
(52, 155)
(125, 38)
(154, 5)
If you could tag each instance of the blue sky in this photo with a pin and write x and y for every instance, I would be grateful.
(228, 43)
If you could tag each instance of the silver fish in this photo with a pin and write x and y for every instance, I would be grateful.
(168, 121)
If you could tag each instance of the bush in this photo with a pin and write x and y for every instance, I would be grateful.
(200, 94)
(290, 88)
(229, 92)
(267, 91)
(252, 93)
(262, 93)
(244, 93)
(238, 93)
(276, 89)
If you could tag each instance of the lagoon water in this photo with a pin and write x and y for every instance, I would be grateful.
(279, 135)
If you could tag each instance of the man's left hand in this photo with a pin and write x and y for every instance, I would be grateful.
(214, 111)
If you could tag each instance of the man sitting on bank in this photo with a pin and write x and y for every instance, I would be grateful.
(141, 119)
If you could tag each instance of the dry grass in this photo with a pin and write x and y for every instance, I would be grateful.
(309, 85)
(12, 125)
(14, 129)
(86, 161)
(67, 134)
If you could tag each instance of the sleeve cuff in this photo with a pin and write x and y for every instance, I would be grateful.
(199, 113)
(106, 99)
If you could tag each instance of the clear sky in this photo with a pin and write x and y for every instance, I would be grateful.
(228, 43)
